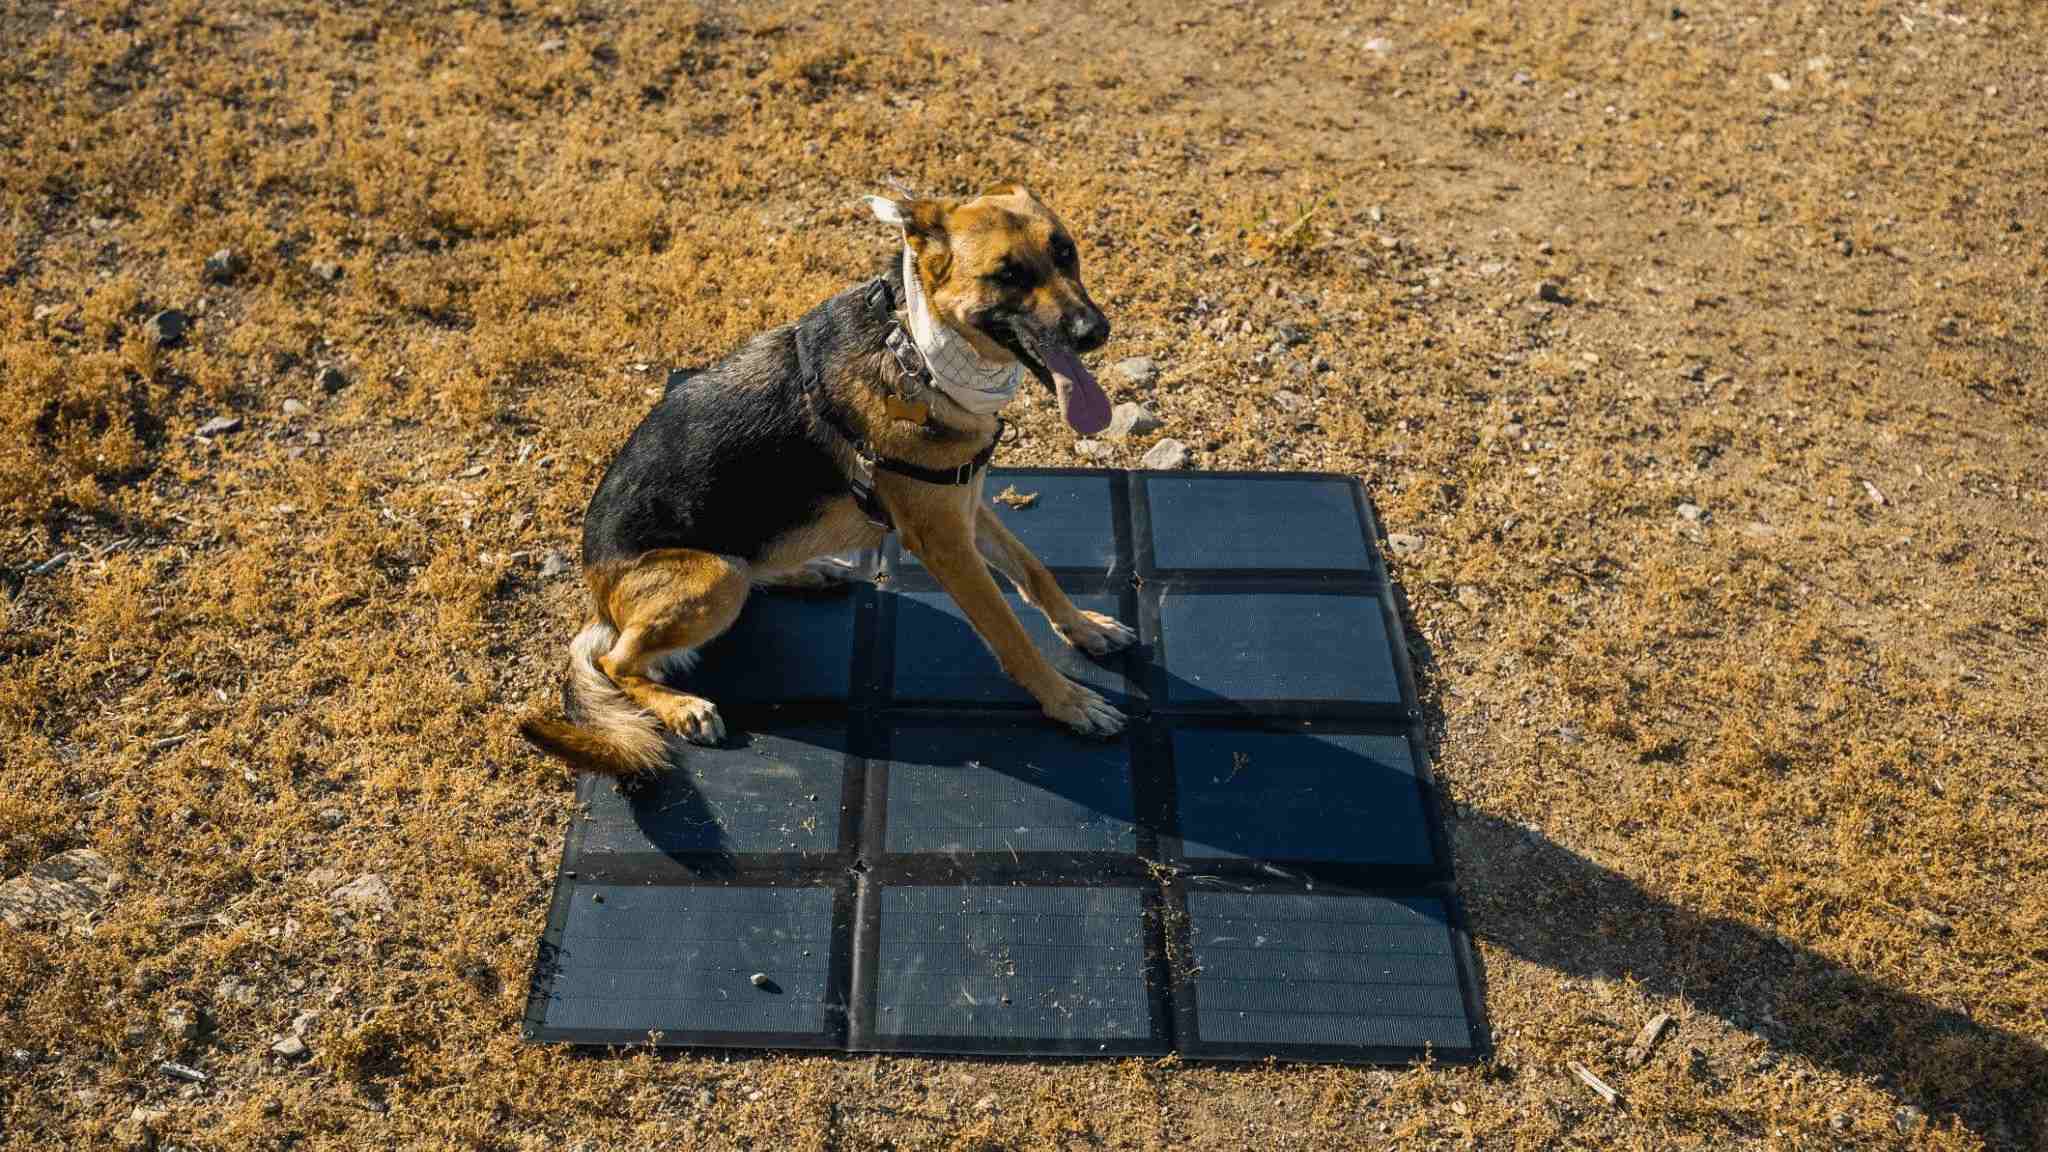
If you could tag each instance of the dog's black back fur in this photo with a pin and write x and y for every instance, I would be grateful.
(733, 456)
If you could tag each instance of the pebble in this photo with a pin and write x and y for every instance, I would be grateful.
(1691, 512)
(761, 980)
(365, 893)
(235, 990)
(333, 817)
(554, 45)
(1778, 82)
(1909, 1120)
(986, 1103)
(184, 1072)
(1550, 292)
(1513, 431)
(1138, 369)
(1839, 1122)
(220, 425)
(330, 379)
(1129, 419)
(1290, 334)
(44, 312)
(553, 564)
(1404, 543)
(1287, 401)
(223, 266)
(1379, 45)
(1492, 268)
(167, 328)
(295, 408)
(181, 1024)
(65, 888)
(1090, 449)
(290, 1048)
(326, 271)
(138, 1131)
(1166, 455)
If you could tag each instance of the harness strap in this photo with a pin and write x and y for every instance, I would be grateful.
(862, 482)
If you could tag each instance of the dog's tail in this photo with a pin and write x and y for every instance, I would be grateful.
(609, 734)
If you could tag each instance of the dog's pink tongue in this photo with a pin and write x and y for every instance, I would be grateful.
(1081, 398)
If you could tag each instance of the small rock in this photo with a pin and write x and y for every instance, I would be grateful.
(64, 889)
(1778, 82)
(330, 379)
(1379, 45)
(1166, 455)
(1839, 1122)
(986, 1103)
(295, 408)
(184, 1072)
(1458, 1106)
(138, 1131)
(1909, 1120)
(553, 45)
(220, 425)
(304, 1021)
(1138, 369)
(1090, 449)
(1492, 268)
(290, 1048)
(326, 271)
(135, 1036)
(1692, 370)
(333, 817)
(167, 328)
(553, 564)
(235, 990)
(1320, 364)
(1550, 292)
(1290, 335)
(181, 1024)
(761, 980)
(1513, 430)
(1129, 419)
(44, 312)
(1875, 494)
(1691, 512)
(1404, 543)
(1287, 401)
(1471, 598)
(223, 266)
(365, 893)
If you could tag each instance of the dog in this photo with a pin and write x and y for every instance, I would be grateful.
(878, 410)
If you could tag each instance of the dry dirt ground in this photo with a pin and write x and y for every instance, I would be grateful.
(1726, 576)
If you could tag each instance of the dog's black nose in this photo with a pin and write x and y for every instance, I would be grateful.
(1087, 330)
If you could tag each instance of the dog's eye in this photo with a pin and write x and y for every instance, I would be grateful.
(1063, 253)
(1012, 275)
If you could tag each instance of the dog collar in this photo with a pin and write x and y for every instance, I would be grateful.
(955, 368)
(861, 481)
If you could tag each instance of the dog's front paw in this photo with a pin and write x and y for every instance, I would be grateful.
(1096, 634)
(1085, 712)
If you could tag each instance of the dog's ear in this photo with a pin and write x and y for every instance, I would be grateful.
(924, 229)
(920, 219)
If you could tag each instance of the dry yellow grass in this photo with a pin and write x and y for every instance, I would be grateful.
(1777, 770)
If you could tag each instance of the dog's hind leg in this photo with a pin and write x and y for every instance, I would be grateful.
(1091, 632)
(666, 605)
(825, 574)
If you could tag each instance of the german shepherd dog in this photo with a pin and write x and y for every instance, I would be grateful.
(876, 410)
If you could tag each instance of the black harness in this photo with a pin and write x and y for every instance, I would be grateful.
(916, 377)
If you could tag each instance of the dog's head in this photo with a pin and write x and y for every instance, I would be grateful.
(1001, 270)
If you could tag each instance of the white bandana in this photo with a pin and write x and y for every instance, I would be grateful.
(956, 368)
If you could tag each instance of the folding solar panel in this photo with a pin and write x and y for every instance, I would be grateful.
(897, 852)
